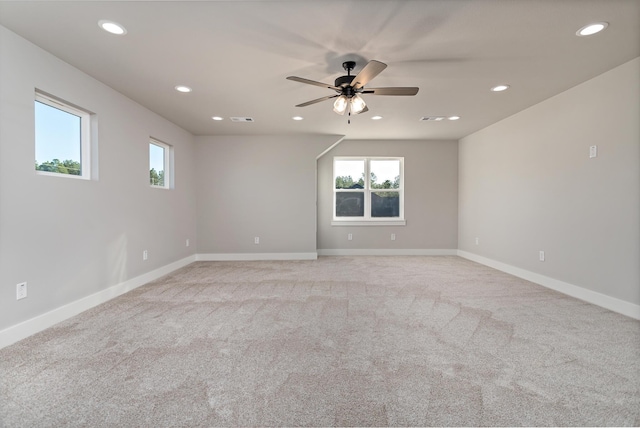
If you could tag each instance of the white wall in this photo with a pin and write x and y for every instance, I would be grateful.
(431, 199)
(262, 186)
(70, 238)
(527, 184)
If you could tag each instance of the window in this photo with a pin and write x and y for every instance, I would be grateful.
(62, 138)
(368, 191)
(159, 164)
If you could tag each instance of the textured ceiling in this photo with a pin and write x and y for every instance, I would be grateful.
(236, 56)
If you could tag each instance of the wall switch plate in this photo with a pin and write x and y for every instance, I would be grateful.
(350, 236)
(187, 243)
(541, 256)
(145, 255)
(256, 240)
(593, 151)
(21, 290)
(393, 236)
(477, 241)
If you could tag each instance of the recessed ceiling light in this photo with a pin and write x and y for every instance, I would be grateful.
(590, 29)
(216, 118)
(454, 117)
(297, 118)
(376, 117)
(500, 88)
(112, 27)
(182, 88)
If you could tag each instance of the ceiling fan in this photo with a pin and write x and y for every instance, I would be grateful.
(349, 88)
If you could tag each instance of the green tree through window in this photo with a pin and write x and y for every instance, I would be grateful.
(157, 178)
(65, 167)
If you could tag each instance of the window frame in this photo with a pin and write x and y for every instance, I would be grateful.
(167, 161)
(367, 219)
(85, 134)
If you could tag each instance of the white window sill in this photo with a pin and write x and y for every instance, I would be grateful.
(359, 222)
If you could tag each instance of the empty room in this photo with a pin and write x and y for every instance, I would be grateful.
(320, 213)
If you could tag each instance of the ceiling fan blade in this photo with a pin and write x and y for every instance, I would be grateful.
(312, 82)
(391, 91)
(308, 103)
(371, 70)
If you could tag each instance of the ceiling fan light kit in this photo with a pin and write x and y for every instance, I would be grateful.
(349, 88)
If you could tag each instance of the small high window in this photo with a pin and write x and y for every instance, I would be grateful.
(62, 138)
(159, 164)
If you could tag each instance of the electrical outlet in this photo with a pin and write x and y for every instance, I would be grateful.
(145, 255)
(21, 291)
(541, 256)
(187, 243)
(393, 236)
(350, 236)
(593, 151)
(256, 240)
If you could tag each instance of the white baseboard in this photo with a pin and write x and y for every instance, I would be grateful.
(32, 326)
(222, 257)
(602, 300)
(387, 252)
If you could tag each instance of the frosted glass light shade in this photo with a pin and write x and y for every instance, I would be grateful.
(357, 104)
(340, 105)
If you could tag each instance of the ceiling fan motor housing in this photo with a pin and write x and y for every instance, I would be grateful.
(344, 81)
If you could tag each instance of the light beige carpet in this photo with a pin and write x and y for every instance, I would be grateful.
(365, 341)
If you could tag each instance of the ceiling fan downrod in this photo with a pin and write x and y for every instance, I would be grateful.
(344, 82)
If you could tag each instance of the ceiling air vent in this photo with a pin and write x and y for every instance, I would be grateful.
(432, 118)
(242, 119)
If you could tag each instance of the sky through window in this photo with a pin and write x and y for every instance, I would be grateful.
(57, 134)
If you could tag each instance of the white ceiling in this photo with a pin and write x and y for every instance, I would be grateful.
(236, 56)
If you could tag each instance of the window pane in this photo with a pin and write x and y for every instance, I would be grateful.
(58, 140)
(349, 174)
(385, 204)
(349, 204)
(385, 174)
(156, 164)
